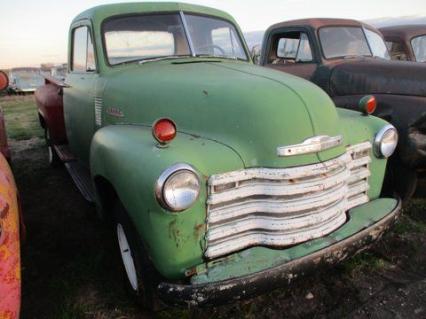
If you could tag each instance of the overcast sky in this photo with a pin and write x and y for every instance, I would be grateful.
(34, 32)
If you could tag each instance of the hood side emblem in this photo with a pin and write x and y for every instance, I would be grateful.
(98, 111)
(114, 111)
(310, 145)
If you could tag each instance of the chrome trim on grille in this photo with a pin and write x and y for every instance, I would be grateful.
(281, 207)
(310, 145)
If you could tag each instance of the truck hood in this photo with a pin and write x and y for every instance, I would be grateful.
(377, 76)
(250, 109)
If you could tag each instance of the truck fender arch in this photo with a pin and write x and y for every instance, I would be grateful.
(126, 162)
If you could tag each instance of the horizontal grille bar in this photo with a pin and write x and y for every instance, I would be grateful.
(269, 223)
(276, 205)
(275, 239)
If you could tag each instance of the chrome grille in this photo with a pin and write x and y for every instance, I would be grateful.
(281, 207)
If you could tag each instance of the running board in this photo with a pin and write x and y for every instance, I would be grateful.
(64, 153)
(81, 178)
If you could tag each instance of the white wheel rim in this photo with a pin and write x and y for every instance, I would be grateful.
(49, 147)
(126, 256)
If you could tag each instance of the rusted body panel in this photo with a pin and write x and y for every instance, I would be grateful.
(408, 115)
(376, 77)
(401, 37)
(4, 146)
(4, 81)
(317, 23)
(10, 271)
(51, 109)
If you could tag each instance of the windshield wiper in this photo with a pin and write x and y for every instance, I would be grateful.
(161, 58)
(354, 56)
(158, 58)
(219, 57)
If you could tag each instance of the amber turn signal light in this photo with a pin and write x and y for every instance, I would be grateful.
(367, 104)
(164, 130)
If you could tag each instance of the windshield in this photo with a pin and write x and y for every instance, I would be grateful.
(419, 48)
(214, 37)
(351, 41)
(145, 37)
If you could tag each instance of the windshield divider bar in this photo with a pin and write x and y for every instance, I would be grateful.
(368, 42)
(188, 36)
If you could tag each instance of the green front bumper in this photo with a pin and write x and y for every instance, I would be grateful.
(258, 269)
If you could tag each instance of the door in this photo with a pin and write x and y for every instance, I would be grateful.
(79, 95)
(292, 52)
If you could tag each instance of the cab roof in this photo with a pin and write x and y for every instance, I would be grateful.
(99, 13)
(406, 32)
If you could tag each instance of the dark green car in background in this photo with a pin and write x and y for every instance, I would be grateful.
(223, 179)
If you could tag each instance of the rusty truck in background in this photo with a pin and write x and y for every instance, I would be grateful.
(406, 42)
(349, 59)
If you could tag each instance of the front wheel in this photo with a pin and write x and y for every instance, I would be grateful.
(137, 270)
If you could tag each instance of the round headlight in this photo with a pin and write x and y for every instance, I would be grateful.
(386, 141)
(178, 187)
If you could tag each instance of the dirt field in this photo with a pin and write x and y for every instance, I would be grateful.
(71, 270)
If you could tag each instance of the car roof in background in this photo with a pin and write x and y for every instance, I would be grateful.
(404, 31)
(317, 23)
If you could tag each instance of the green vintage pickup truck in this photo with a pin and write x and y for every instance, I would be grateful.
(222, 179)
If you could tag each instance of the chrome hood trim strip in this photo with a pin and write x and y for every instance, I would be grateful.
(311, 145)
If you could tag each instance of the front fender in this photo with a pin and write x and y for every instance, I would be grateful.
(129, 158)
(407, 114)
(359, 128)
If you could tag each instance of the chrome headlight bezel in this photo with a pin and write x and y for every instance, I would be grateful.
(166, 176)
(382, 150)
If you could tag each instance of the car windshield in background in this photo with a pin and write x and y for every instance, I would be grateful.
(146, 37)
(339, 42)
(419, 48)
(377, 44)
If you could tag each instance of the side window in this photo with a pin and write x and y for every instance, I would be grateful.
(79, 49)
(396, 51)
(419, 48)
(292, 47)
(83, 53)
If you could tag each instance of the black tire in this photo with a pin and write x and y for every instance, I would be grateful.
(53, 157)
(400, 180)
(143, 290)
